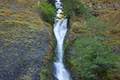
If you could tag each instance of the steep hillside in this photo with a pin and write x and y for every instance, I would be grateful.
(93, 53)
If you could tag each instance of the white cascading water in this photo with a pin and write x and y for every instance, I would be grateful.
(60, 30)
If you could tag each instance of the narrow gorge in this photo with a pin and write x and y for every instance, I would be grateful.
(59, 39)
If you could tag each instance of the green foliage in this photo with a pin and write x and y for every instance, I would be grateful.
(68, 7)
(95, 25)
(44, 73)
(48, 11)
(46, 69)
(92, 60)
(75, 7)
(82, 9)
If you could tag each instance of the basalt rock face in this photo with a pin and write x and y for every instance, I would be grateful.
(25, 41)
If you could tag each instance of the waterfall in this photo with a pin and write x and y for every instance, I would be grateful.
(60, 30)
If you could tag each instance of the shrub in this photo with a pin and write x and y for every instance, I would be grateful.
(47, 11)
(77, 8)
(92, 60)
(68, 7)
(82, 9)
(95, 25)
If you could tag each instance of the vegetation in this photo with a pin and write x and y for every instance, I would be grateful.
(67, 9)
(92, 60)
(77, 8)
(47, 11)
(89, 58)
(44, 73)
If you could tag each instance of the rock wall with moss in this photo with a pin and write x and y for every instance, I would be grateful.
(25, 41)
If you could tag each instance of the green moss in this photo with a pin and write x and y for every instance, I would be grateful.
(48, 11)
(46, 69)
(44, 74)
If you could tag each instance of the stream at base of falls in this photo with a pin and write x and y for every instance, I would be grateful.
(60, 30)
